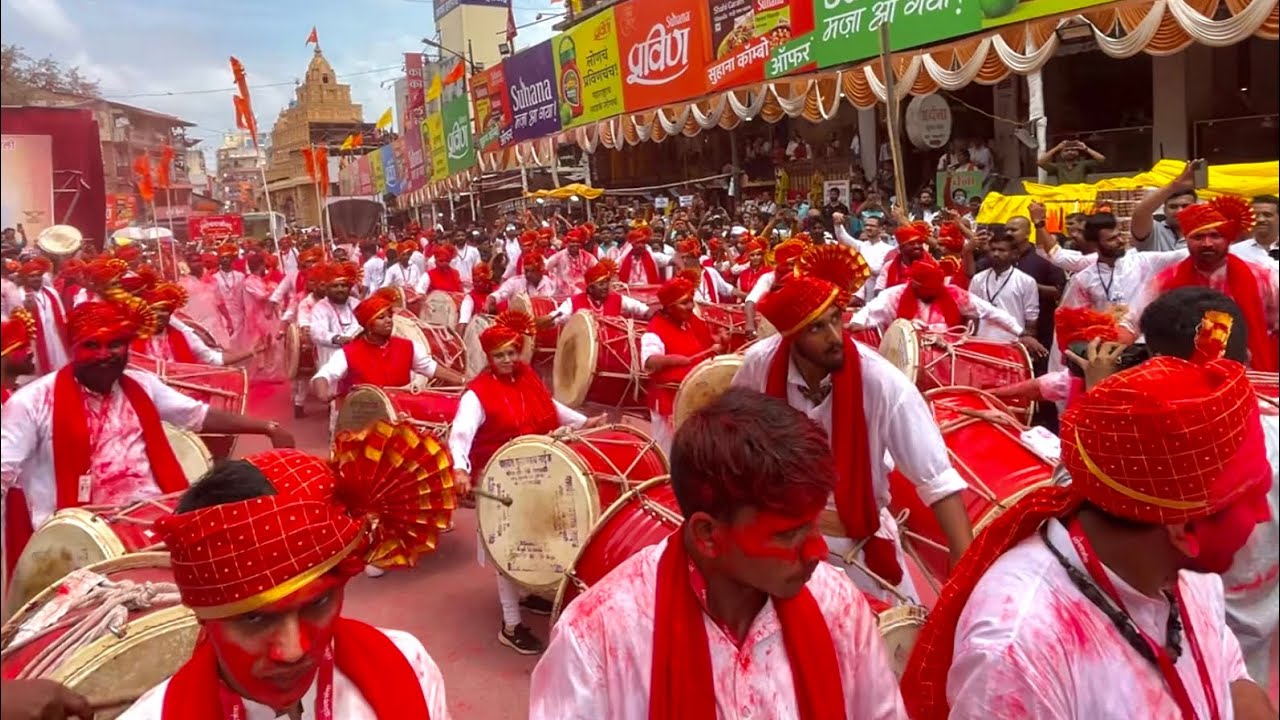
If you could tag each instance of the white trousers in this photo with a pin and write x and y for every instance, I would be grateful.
(840, 546)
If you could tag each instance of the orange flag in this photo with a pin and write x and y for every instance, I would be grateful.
(321, 162)
(243, 105)
(309, 161)
(142, 168)
(162, 170)
(455, 74)
(313, 38)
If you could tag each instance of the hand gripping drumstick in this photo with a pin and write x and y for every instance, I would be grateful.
(492, 496)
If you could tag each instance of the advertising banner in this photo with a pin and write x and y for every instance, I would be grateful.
(416, 89)
(848, 30)
(661, 46)
(415, 159)
(492, 108)
(531, 85)
(391, 173)
(217, 227)
(744, 34)
(26, 197)
(433, 138)
(460, 153)
(364, 168)
(122, 211)
(957, 186)
(377, 172)
(588, 75)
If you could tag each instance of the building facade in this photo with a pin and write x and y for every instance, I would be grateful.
(238, 180)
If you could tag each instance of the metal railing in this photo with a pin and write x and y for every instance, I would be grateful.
(1247, 138)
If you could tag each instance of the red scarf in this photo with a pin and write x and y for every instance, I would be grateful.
(386, 365)
(683, 682)
(179, 349)
(895, 269)
(71, 450)
(709, 287)
(611, 307)
(363, 653)
(749, 277)
(300, 282)
(445, 279)
(519, 405)
(59, 327)
(855, 495)
(1243, 288)
(945, 302)
(650, 267)
(954, 268)
(692, 339)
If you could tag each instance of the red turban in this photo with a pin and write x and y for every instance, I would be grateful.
(951, 237)
(72, 269)
(482, 273)
(17, 332)
(797, 303)
(169, 296)
(839, 265)
(209, 260)
(602, 270)
(637, 236)
(675, 291)
(916, 232)
(928, 273)
(509, 328)
(789, 251)
(407, 247)
(128, 253)
(689, 246)
(527, 239)
(228, 249)
(1166, 442)
(753, 245)
(344, 272)
(1231, 216)
(145, 277)
(533, 260)
(715, 244)
(443, 254)
(1082, 324)
(125, 319)
(310, 255)
(575, 236)
(103, 271)
(371, 307)
(320, 273)
(379, 502)
(36, 266)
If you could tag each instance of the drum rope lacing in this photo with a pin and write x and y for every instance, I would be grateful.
(635, 375)
(647, 505)
(620, 476)
(114, 601)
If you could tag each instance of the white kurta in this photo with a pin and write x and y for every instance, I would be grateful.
(230, 286)
(335, 368)
(661, 427)
(467, 309)
(723, 289)
(1029, 644)
(470, 416)
(599, 661)
(1014, 292)
(348, 703)
(158, 345)
(328, 322)
(1255, 252)
(47, 304)
(763, 285)
(1265, 277)
(873, 251)
(901, 429)
(118, 463)
(516, 285)
(373, 272)
(660, 260)
(883, 310)
(10, 297)
(403, 276)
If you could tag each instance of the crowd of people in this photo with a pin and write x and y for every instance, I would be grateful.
(1147, 584)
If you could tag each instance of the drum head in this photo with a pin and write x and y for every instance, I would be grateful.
(520, 302)
(900, 626)
(575, 361)
(764, 328)
(554, 506)
(71, 539)
(900, 346)
(192, 454)
(477, 359)
(363, 406)
(439, 308)
(292, 350)
(704, 383)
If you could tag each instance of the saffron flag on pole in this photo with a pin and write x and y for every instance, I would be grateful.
(142, 168)
(243, 105)
(384, 122)
(455, 74)
(162, 170)
(313, 38)
(320, 159)
(309, 161)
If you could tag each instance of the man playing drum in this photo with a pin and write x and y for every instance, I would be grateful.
(476, 301)
(173, 340)
(41, 699)
(533, 282)
(711, 285)
(1100, 598)
(374, 357)
(868, 408)
(503, 402)
(567, 268)
(912, 238)
(403, 274)
(109, 447)
(735, 609)
(440, 274)
(274, 642)
(674, 343)
(333, 320)
(50, 339)
(641, 265)
(928, 300)
(599, 298)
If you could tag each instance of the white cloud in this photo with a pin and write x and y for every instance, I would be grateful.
(48, 18)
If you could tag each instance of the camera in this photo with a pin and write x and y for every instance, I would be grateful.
(1132, 356)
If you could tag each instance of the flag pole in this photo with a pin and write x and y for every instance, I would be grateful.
(156, 227)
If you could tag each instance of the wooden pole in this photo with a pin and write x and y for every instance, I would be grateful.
(892, 116)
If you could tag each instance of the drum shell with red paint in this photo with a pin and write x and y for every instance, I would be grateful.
(985, 453)
(221, 388)
(598, 361)
(731, 320)
(431, 409)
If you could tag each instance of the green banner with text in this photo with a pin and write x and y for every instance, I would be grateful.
(460, 152)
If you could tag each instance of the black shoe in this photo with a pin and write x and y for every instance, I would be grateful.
(522, 640)
(536, 604)
(299, 411)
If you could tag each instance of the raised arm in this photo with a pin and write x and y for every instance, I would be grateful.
(1143, 222)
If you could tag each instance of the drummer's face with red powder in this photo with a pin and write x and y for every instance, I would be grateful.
(271, 655)
(773, 552)
(503, 360)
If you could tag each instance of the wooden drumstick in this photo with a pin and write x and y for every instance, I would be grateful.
(492, 496)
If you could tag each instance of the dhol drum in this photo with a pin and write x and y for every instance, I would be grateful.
(1267, 387)
(647, 294)
(77, 537)
(545, 343)
(440, 308)
(476, 358)
(442, 342)
(430, 409)
(60, 634)
(200, 330)
(299, 352)
(540, 496)
(223, 388)
(729, 321)
(598, 360)
(702, 385)
(939, 360)
(643, 516)
(987, 448)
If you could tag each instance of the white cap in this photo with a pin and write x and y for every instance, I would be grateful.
(737, 230)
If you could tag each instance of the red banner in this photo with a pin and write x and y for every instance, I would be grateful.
(122, 210)
(744, 32)
(491, 108)
(662, 44)
(416, 96)
(216, 227)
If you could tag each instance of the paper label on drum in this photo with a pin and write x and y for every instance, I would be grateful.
(84, 490)
(73, 588)
(531, 541)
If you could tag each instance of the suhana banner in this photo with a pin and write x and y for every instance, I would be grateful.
(744, 34)
(847, 31)
(531, 85)
(588, 75)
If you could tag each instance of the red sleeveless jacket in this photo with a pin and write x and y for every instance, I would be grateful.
(692, 339)
(519, 405)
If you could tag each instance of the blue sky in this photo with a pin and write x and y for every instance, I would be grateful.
(140, 49)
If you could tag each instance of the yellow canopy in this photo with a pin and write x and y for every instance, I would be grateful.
(564, 192)
(1246, 180)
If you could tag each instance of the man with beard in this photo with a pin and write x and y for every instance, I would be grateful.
(912, 238)
(568, 267)
(868, 408)
(598, 298)
(44, 305)
(299, 313)
(172, 340)
(673, 344)
(734, 614)
(1263, 248)
(262, 550)
(333, 320)
(109, 447)
(926, 299)
(532, 282)
(1100, 598)
(1209, 229)
(1166, 234)
(873, 246)
(641, 265)
(1107, 282)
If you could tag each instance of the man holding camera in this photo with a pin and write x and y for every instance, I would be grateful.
(1070, 161)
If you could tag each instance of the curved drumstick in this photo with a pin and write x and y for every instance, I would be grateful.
(493, 496)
